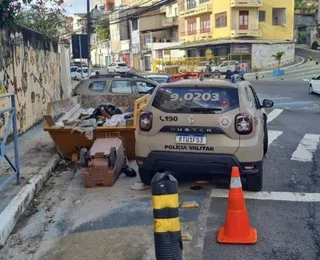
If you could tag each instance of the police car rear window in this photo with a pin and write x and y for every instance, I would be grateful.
(212, 100)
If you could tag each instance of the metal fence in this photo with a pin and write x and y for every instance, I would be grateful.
(4, 180)
(175, 65)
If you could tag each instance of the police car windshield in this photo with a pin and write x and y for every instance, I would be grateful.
(214, 100)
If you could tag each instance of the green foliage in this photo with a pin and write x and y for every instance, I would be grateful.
(314, 45)
(9, 10)
(103, 29)
(278, 56)
(45, 17)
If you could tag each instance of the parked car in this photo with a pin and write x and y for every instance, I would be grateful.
(226, 65)
(314, 85)
(85, 71)
(118, 67)
(115, 83)
(158, 78)
(73, 70)
(203, 127)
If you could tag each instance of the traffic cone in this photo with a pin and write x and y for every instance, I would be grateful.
(237, 227)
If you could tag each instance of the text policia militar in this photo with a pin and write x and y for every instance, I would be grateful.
(189, 147)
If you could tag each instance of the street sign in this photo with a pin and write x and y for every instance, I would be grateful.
(209, 54)
(79, 46)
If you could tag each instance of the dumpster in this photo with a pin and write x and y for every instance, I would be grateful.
(62, 122)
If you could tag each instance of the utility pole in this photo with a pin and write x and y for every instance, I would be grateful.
(88, 33)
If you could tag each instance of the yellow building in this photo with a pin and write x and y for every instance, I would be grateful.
(249, 31)
(261, 19)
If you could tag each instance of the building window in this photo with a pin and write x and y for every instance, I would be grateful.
(134, 25)
(204, 1)
(279, 16)
(262, 16)
(205, 24)
(170, 10)
(176, 11)
(192, 26)
(191, 4)
(221, 20)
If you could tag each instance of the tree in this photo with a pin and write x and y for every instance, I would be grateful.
(103, 29)
(9, 10)
(278, 56)
(44, 16)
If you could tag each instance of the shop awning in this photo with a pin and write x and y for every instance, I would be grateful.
(212, 43)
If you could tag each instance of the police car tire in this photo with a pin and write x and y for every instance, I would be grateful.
(265, 140)
(254, 181)
(146, 176)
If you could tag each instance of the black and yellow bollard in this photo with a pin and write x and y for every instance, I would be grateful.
(167, 231)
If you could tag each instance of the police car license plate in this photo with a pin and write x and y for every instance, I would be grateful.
(191, 139)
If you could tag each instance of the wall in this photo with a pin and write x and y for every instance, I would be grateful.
(31, 60)
(278, 32)
(66, 84)
(149, 22)
(219, 6)
(304, 22)
(262, 55)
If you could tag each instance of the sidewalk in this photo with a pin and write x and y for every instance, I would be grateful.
(38, 158)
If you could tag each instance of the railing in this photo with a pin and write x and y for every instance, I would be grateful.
(3, 153)
(169, 21)
(246, 3)
(196, 32)
(202, 8)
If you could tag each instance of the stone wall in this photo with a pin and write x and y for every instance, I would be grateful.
(30, 68)
(262, 55)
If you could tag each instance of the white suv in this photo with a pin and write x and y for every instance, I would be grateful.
(118, 67)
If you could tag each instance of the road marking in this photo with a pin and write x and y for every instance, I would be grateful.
(271, 195)
(273, 135)
(306, 80)
(274, 114)
(306, 148)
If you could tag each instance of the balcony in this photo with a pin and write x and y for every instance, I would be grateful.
(169, 22)
(200, 9)
(250, 31)
(196, 36)
(246, 3)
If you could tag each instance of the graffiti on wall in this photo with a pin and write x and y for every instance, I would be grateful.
(30, 68)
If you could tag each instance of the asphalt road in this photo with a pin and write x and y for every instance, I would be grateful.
(68, 221)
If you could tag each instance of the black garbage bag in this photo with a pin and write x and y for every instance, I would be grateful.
(111, 110)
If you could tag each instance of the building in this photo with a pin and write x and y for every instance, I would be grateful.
(157, 30)
(120, 33)
(249, 31)
(101, 53)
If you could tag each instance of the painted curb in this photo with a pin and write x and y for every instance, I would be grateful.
(11, 214)
(284, 68)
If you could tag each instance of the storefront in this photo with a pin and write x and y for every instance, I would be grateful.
(241, 52)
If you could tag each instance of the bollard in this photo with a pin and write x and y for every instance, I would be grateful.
(257, 77)
(167, 231)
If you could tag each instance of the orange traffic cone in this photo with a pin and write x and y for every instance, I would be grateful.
(237, 228)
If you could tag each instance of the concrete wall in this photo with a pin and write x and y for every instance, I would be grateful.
(29, 67)
(304, 22)
(262, 55)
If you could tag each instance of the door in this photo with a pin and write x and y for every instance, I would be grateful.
(243, 20)
(316, 85)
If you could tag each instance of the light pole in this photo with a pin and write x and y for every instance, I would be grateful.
(88, 34)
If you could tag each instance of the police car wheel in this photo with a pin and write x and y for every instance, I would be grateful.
(146, 176)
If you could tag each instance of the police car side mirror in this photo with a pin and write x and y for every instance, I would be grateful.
(267, 103)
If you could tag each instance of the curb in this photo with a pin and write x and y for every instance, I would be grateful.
(11, 214)
(309, 50)
(284, 68)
